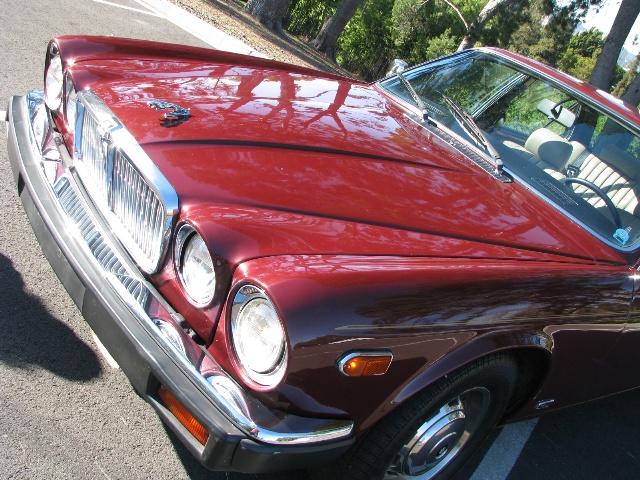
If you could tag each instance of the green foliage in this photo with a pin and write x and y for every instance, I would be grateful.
(627, 78)
(419, 30)
(306, 17)
(366, 46)
(616, 79)
(544, 31)
(581, 55)
(588, 43)
(441, 45)
(417, 20)
(418, 24)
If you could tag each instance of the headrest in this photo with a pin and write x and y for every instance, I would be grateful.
(625, 164)
(550, 148)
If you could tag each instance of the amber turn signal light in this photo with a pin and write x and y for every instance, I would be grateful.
(364, 364)
(183, 416)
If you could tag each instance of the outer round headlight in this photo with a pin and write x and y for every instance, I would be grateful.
(258, 336)
(195, 266)
(53, 80)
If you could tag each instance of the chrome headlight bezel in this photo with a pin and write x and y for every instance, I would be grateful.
(70, 103)
(191, 247)
(251, 342)
(53, 79)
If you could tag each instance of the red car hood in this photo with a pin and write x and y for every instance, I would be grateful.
(275, 160)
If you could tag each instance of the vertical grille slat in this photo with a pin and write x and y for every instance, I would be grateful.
(134, 203)
(92, 156)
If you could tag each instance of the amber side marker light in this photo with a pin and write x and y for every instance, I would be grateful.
(183, 416)
(364, 364)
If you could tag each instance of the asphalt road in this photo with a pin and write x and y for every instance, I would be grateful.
(65, 413)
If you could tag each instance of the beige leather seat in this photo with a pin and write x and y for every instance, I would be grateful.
(550, 151)
(614, 171)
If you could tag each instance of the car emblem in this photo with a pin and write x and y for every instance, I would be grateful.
(177, 116)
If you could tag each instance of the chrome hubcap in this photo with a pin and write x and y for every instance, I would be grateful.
(440, 438)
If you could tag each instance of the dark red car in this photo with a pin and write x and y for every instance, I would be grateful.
(296, 268)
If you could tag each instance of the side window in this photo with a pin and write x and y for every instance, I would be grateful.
(618, 145)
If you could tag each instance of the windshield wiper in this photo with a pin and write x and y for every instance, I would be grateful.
(416, 98)
(469, 125)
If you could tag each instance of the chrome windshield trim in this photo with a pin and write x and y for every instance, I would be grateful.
(82, 219)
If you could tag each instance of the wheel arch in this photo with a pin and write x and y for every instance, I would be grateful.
(532, 353)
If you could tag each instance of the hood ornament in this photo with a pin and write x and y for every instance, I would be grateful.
(177, 116)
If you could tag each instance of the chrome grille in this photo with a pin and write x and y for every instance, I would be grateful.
(92, 156)
(95, 241)
(136, 205)
(109, 162)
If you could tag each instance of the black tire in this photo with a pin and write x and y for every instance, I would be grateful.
(451, 419)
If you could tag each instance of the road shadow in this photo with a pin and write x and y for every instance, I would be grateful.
(594, 441)
(31, 336)
(196, 471)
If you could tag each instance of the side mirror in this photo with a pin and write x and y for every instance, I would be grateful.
(396, 66)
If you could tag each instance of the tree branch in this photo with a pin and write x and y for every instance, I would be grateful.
(457, 10)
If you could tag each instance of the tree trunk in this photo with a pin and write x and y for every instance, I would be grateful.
(487, 13)
(333, 27)
(605, 65)
(632, 95)
(270, 13)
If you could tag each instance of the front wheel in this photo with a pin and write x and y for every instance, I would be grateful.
(436, 431)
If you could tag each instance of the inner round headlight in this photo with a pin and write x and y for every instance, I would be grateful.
(195, 266)
(258, 336)
(53, 80)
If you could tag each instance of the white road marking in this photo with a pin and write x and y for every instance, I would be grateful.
(504, 452)
(198, 28)
(129, 8)
(103, 350)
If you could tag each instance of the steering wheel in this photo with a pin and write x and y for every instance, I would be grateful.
(591, 186)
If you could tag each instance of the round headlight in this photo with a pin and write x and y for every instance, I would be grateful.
(258, 336)
(53, 80)
(195, 266)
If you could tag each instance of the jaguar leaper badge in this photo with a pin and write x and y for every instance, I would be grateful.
(176, 116)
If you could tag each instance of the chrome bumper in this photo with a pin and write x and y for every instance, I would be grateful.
(116, 299)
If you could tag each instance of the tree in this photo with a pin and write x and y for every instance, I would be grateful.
(490, 10)
(332, 28)
(632, 95)
(270, 13)
(418, 23)
(545, 32)
(628, 89)
(587, 43)
(366, 46)
(608, 58)
(581, 54)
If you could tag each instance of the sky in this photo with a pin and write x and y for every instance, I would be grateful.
(602, 19)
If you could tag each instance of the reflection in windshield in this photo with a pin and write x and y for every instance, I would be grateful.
(581, 160)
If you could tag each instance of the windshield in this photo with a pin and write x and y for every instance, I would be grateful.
(581, 160)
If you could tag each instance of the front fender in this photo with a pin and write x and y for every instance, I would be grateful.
(435, 315)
